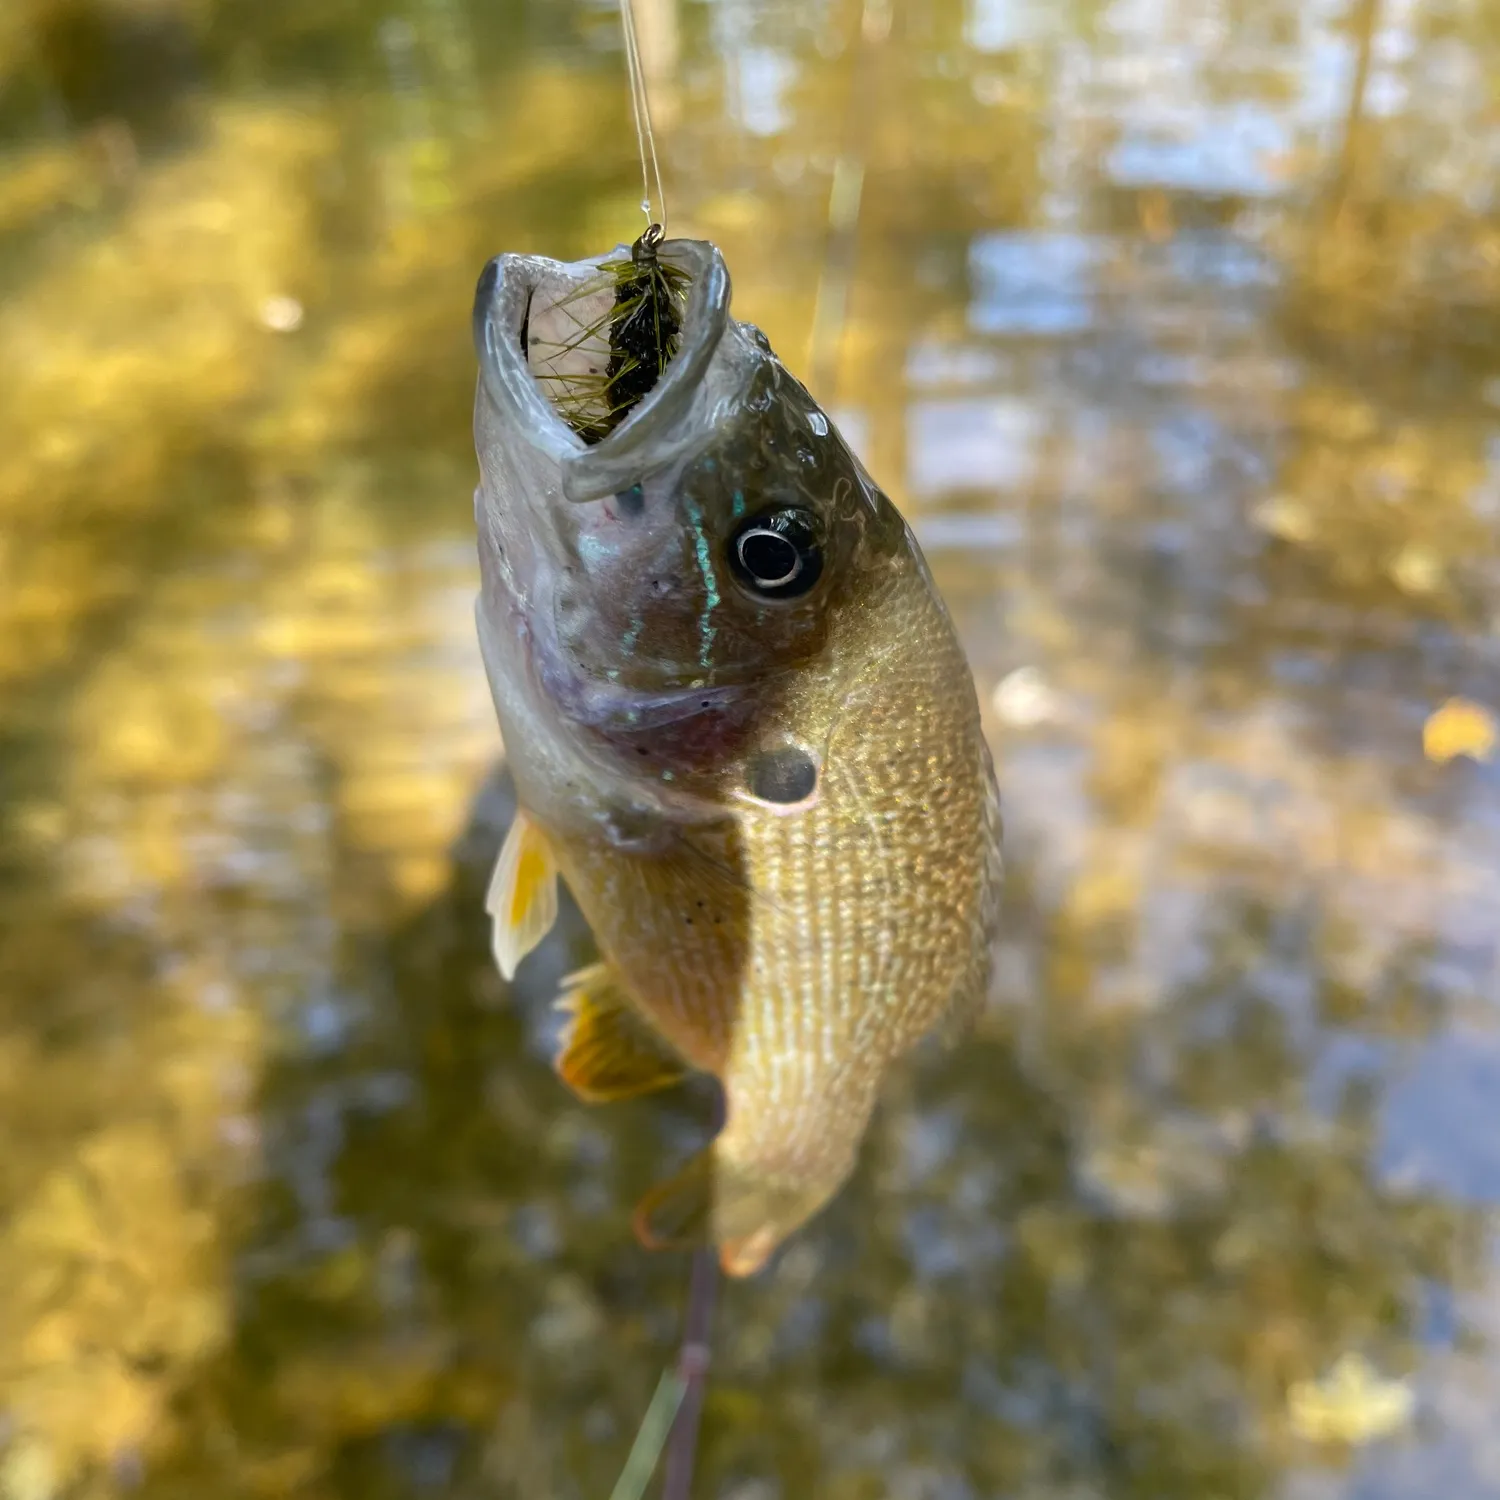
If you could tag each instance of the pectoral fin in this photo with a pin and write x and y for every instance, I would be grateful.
(608, 1051)
(522, 898)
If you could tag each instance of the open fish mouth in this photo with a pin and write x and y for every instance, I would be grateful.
(599, 350)
(605, 363)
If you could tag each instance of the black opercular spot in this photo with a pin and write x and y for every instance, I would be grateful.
(776, 553)
(631, 502)
(785, 775)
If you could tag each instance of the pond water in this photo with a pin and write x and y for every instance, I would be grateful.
(1174, 326)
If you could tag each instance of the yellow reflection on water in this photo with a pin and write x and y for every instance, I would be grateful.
(1170, 326)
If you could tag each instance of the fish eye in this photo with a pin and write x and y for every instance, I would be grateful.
(776, 554)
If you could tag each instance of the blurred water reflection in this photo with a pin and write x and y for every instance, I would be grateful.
(1172, 324)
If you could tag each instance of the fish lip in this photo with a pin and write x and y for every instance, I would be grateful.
(501, 301)
(660, 429)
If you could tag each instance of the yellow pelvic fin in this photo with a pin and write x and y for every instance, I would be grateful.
(749, 1218)
(609, 1052)
(522, 898)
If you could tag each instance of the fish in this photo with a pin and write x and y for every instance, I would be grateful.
(741, 727)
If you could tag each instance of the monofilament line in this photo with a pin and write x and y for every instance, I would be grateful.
(645, 137)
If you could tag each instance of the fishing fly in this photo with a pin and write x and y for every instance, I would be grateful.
(600, 349)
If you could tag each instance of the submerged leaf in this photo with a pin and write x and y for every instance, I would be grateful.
(1459, 727)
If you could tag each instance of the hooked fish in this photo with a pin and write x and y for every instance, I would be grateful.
(740, 725)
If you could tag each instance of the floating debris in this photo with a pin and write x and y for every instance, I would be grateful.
(1352, 1404)
(1459, 727)
(1285, 517)
(281, 314)
(1417, 570)
(1024, 699)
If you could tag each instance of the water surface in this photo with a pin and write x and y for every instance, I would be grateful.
(1172, 325)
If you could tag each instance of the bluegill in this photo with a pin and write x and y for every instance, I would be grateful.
(741, 728)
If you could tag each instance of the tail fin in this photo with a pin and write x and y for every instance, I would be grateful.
(713, 1201)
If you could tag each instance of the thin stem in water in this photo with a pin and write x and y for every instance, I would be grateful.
(646, 1449)
(692, 1373)
(694, 1355)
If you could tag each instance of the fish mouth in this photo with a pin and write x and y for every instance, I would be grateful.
(674, 418)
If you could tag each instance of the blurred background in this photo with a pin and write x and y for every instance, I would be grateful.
(1174, 325)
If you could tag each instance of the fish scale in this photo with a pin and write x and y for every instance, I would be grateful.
(659, 702)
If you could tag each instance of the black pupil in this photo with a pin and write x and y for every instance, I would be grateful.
(777, 554)
(784, 775)
(768, 557)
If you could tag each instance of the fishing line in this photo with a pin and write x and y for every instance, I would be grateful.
(836, 273)
(645, 136)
